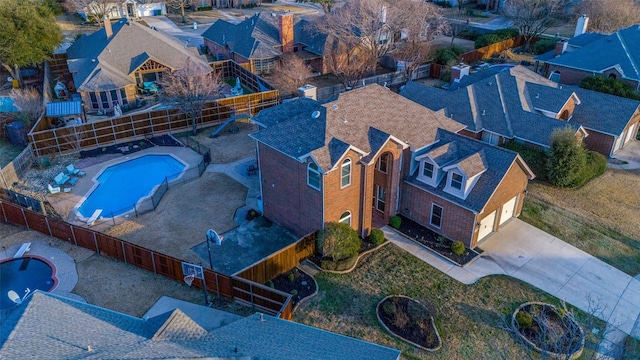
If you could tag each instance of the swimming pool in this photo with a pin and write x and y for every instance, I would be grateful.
(499, 68)
(121, 186)
(6, 104)
(24, 276)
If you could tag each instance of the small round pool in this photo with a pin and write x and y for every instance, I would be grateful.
(6, 104)
(24, 276)
(502, 67)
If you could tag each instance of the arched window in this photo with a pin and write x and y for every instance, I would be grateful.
(382, 162)
(612, 76)
(346, 218)
(346, 173)
(313, 176)
(564, 115)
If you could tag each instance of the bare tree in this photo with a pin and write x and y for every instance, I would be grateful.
(95, 10)
(327, 5)
(190, 87)
(291, 73)
(346, 62)
(29, 102)
(374, 26)
(179, 5)
(608, 16)
(416, 47)
(533, 17)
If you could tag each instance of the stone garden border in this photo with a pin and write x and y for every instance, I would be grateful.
(354, 264)
(400, 337)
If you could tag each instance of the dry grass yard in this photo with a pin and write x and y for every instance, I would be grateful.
(228, 147)
(602, 217)
(183, 216)
(469, 318)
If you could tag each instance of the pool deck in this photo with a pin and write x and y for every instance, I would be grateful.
(64, 264)
(65, 202)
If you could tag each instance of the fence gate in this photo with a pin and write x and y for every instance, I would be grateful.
(435, 71)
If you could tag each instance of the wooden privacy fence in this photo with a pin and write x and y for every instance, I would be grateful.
(281, 261)
(484, 53)
(16, 168)
(243, 291)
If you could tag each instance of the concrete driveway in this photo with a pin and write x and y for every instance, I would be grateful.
(631, 154)
(527, 253)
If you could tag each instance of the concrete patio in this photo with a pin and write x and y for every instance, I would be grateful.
(631, 154)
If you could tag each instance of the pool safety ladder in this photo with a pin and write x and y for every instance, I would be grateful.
(94, 217)
(23, 249)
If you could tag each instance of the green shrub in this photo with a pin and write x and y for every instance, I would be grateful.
(543, 46)
(524, 320)
(495, 37)
(376, 237)
(536, 159)
(270, 284)
(205, 8)
(567, 158)
(609, 86)
(340, 265)
(294, 292)
(291, 277)
(338, 241)
(595, 166)
(468, 34)
(395, 222)
(389, 307)
(447, 56)
(457, 247)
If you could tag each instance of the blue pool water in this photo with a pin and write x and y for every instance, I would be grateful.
(121, 186)
(6, 105)
(498, 68)
(22, 274)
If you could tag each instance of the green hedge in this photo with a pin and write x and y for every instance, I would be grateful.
(495, 37)
(338, 241)
(536, 159)
(609, 86)
(543, 46)
(596, 165)
(447, 56)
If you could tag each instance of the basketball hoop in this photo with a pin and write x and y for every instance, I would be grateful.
(189, 279)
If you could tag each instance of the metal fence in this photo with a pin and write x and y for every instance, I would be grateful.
(241, 290)
(199, 148)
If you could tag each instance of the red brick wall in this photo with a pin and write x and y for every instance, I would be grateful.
(457, 223)
(569, 107)
(288, 200)
(286, 33)
(599, 142)
(338, 199)
(215, 48)
(574, 76)
(471, 134)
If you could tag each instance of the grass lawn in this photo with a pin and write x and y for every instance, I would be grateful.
(7, 152)
(468, 317)
(602, 217)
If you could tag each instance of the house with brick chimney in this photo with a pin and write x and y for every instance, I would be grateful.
(372, 154)
(614, 56)
(517, 104)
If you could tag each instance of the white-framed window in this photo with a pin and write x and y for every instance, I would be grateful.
(346, 218)
(456, 181)
(436, 215)
(381, 195)
(345, 179)
(382, 163)
(313, 176)
(427, 170)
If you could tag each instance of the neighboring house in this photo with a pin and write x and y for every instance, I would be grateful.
(127, 9)
(520, 105)
(47, 326)
(259, 41)
(110, 66)
(372, 154)
(616, 56)
(235, 3)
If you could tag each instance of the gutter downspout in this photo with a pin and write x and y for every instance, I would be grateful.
(362, 198)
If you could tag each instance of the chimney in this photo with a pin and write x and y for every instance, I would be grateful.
(581, 25)
(286, 32)
(561, 47)
(308, 91)
(459, 71)
(107, 26)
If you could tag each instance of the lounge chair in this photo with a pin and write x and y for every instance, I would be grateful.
(94, 217)
(61, 178)
(72, 170)
(53, 190)
(73, 181)
(23, 249)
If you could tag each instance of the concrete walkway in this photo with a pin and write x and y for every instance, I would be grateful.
(527, 253)
(630, 154)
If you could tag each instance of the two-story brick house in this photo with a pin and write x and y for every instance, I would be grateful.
(372, 154)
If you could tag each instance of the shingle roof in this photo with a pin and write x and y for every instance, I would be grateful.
(364, 118)
(622, 50)
(473, 156)
(256, 37)
(506, 103)
(99, 63)
(305, 33)
(53, 327)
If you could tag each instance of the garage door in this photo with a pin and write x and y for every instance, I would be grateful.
(631, 133)
(507, 210)
(486, 225)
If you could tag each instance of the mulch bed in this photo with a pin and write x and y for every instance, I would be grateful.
(302, 283)
(131, 146)
(410, 321)
(366, 245)
(435, 241)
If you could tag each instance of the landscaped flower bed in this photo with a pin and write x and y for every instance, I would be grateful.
(295, 282)
(409, 320)
(131, 146)
(434, 241)
(549, 330)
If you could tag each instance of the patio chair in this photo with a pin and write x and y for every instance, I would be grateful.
(252, 170)
(72, 170)
(61, 178)
(53, 190)
(73, 181)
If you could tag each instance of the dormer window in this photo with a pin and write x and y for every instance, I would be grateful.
(427, 170)
(456, 181)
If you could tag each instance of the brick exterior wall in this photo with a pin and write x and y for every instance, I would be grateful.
(574, 76)
(471, 134)
(338, 199)
(457, 223)
(568, 107)
(215, 48)
(286, 32)
(599, 142)
(287, 199)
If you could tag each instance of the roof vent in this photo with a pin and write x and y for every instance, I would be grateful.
(537, 96)
(315, 114)
(490, 83)
(334, 107)
(93, 60)
(484, 112)
(344, 120)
